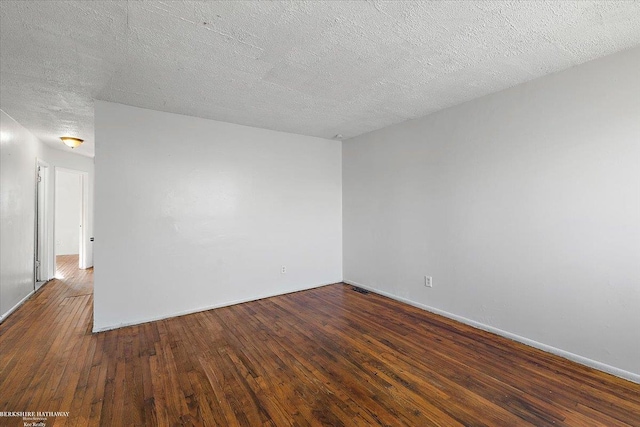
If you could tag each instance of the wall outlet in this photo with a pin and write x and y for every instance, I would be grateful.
(283, 270)
(428, 281)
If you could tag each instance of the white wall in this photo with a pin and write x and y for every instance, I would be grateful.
(194, 213)
(68, 216)
(18, 152)
(523, 205)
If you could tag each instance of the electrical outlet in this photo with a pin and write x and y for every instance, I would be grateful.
(283, 270)
(428, 281)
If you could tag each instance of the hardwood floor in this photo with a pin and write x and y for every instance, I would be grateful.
(328, 356)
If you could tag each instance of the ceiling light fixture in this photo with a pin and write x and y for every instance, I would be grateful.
(71, 142)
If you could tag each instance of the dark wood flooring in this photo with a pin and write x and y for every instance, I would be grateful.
(327, 356)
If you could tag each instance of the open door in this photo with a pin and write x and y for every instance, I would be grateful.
(71, 215)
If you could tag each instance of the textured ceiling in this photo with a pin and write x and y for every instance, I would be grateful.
(314, 68)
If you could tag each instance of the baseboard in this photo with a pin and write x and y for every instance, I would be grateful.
(206, 308)
(15, 307)
(544, 347)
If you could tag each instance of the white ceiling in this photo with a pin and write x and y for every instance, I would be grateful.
(314, 68)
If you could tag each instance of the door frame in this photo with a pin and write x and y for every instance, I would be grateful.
(83, 260)
(42, 224)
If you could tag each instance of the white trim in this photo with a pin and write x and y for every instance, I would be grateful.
(544, 347)
(15, 307)
(46, 235)
(40, 284)
(206, 308)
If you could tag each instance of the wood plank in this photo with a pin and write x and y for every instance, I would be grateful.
(326, 356)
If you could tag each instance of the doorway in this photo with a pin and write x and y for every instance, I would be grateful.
(70, 216)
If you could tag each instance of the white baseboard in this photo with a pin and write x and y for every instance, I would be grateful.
(205, 308)
(15, 307)
(544, 347)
